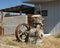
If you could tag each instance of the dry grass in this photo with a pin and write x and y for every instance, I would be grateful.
(58, 35)
(51, 42)
(48, 42)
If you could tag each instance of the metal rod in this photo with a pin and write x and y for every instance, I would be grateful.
(40, 9)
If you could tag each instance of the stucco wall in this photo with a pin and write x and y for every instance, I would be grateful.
(52, 21)
(10, 23)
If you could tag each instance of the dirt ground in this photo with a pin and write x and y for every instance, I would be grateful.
(9, 41)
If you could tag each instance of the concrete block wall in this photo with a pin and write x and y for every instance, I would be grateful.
(10, 23)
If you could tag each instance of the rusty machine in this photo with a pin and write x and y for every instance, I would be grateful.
(24, 32)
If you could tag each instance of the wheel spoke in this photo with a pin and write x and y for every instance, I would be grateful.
(21, 32)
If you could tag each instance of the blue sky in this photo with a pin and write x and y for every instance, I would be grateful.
(9, 3)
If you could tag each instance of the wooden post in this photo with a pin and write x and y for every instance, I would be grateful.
(2, 23)
(2, 28)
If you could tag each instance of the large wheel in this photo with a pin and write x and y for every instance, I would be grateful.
(20, 32)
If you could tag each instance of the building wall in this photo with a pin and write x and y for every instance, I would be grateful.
(52, 21)
(10, 23)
